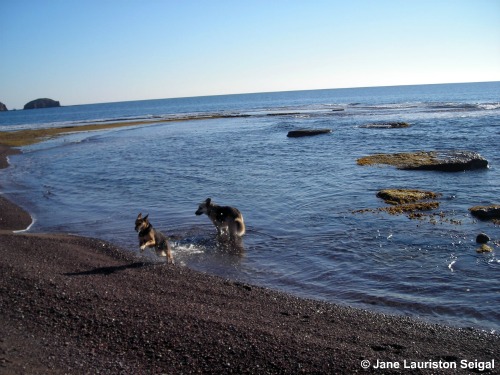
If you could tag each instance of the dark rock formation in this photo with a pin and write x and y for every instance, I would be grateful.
(386, 125)
(307, 132)
(445, 161)
(453, 161)
(42, 103)
(486, 212)
(2, 107)
(482, 238)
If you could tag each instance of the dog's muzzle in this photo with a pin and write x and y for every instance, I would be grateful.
(198, 212)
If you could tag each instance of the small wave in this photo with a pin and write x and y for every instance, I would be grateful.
(382, 107)
(188, 248)
(33, 220)
(464, 106)
(298, 111)
(489, 106)
(452, 106)
(453, 260)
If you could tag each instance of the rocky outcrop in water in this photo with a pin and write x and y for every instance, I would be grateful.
(410, 202)
(42, 103)
(484, 249)
(2, 107)
(386, 125)
(482, 238)
(307, 132)
(486, 212)
(445, 161)
(402, 196)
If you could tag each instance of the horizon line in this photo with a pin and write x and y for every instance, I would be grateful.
(265, 92)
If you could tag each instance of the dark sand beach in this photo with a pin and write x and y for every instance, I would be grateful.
(73, 305)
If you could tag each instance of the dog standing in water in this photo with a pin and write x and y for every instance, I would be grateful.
(225, 218)
(150, 237)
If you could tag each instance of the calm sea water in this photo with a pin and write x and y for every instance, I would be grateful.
(297, 195)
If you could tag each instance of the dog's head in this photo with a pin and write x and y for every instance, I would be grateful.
(203, 207)
(141, 222)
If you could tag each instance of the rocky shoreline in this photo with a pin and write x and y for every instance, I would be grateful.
(81, 305)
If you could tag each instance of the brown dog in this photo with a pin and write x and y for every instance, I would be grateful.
(150, 237)
(224, 218)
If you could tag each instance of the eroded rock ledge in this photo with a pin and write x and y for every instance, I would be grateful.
(491, 212)
(445, 161)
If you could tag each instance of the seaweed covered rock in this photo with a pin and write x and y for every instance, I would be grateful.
(402, 196)
(42, 103)
(307, 132)
(410, 202)
(3, 107)
(486, 212)
(445, 161)
(484, 249)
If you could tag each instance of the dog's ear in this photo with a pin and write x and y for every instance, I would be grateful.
(208, 201)
(146, 217)
(139, 216)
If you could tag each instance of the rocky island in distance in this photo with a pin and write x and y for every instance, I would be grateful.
(35, 104)
(42, 103)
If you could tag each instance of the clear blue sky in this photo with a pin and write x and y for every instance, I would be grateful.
(93, 51)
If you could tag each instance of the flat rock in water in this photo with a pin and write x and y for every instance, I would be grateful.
(386, 125)
(402, 196)
(486, 212)
(445, 161)
(307, 132)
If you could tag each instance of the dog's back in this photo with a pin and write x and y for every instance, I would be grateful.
(234, 218)
(223, 217)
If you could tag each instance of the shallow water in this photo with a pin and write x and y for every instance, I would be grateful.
(297, 195)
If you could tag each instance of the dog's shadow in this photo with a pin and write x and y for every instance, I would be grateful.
(111, 269)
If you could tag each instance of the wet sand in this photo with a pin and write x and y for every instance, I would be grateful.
(83, 306)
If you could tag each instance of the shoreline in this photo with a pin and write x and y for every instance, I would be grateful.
(81, 305)
(12, 216)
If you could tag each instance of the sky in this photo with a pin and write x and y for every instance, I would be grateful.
(93, 51)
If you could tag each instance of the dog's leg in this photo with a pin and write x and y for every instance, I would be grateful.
(170, 259)
(166, 253)
(231, 229)
(224, 228)
(150, 243)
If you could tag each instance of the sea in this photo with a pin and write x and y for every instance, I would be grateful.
(314, 228)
